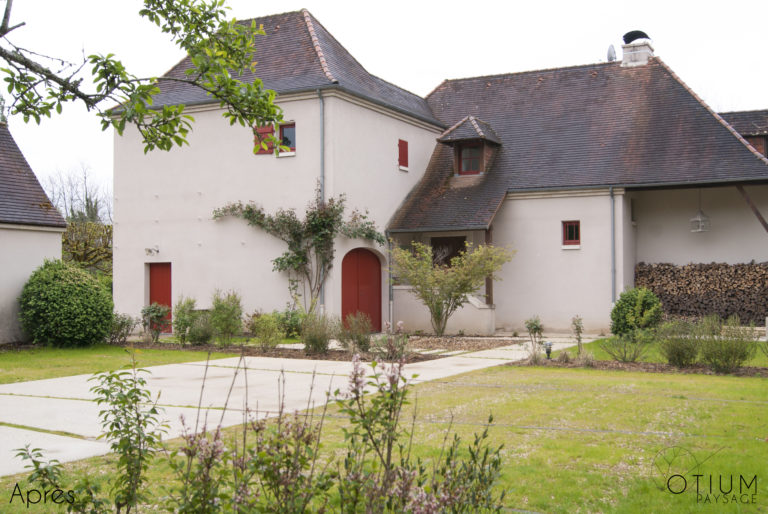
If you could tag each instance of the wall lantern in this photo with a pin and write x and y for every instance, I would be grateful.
(700, 222)
(152, 251)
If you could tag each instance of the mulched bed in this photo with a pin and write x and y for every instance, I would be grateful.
(451, 343)
(652, 367)
(279, 353)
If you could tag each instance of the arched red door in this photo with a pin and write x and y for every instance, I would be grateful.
(361, 285)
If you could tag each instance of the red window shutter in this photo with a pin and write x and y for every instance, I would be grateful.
(260, 134)
(402, 151)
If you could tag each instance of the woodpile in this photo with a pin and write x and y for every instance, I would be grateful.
(702, 289)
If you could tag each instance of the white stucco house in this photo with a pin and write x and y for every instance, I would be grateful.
(30, 231)
(584, 171)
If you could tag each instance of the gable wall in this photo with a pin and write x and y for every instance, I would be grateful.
(24, 249)
(166, 199)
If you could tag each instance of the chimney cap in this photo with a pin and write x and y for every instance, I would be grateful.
(634, 35)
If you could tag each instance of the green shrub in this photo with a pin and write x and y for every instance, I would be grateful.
(201, 329)
(355, 333)
(678, 343)
(290, 322)
(183, 316)
(316, 333)
(728, 350)
(266, 329)
(226, 314)
(628, 347)
(636, 309)
(535, 331)
(122, 326)
(63, 305)
(154, 317)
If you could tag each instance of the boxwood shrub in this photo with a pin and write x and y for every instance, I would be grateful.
(63, 305)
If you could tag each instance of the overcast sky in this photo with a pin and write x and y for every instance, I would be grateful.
(717, 48)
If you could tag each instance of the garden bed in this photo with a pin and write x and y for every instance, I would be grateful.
(465, 343)
(277, 353)
(651, 367)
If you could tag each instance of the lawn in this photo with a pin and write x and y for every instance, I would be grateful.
(580, 440)
(653, 354)
(48, 362)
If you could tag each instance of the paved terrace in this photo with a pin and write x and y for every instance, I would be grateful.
(59, 415)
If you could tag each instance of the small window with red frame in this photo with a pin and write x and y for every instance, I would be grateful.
(288, 136)
(470, 159)
(571, 233)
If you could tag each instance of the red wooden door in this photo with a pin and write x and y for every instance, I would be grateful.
(361, 285)
(160, 285)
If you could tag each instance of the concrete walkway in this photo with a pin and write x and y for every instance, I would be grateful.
(59, 416)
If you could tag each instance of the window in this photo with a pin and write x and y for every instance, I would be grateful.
(288, 136)
(470, 159)
(446, 248)
(402, 154)
(571, 233)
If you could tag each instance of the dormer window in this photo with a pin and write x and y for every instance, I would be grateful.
(470, 158)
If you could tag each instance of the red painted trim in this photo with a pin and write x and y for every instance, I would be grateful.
(480, 159)
(402, 153)
(259, 133)
(566, 225)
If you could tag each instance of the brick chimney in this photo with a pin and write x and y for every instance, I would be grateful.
(637, 52)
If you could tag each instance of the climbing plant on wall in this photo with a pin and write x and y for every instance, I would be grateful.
(310, 239)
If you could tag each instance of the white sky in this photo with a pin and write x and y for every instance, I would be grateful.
(717, 48)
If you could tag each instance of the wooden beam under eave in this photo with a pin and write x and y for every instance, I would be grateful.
(753, 207)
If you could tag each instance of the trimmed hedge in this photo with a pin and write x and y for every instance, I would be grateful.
(62, 305)
(705, 289)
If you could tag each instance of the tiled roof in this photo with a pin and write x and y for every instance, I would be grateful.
(579, 127)
(299, 54)
(469, 128)
(22, 199)
(748, 123)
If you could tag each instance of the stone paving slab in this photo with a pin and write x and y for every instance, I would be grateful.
(57, 447)
(64, 404)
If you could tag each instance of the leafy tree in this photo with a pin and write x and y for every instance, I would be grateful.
(220, 51)
(310, 241)
(443, 288)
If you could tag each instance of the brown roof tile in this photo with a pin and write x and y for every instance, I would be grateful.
(748, 123)
(299, 54)
(578, 127)
(22, 199)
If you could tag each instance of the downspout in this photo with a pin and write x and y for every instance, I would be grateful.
(391, 287)
(613, 246)
(322, 183)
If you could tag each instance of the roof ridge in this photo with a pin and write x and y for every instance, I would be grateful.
(477, 127)
(710, 110)
(515, 73)
(316, 45)
(744, 112)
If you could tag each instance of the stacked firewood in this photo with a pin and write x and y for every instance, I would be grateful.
(702, 289)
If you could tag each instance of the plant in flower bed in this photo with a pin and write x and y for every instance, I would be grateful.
(122, 327)
(355, 333)
(391, 346)
(266, 329)
(725, 347)
(154, 317)
(183, 316)
(226, 313)
(678, 343)
(317, 332)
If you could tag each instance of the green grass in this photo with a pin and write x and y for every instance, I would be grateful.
(47, 362)
(577, 440)
(653, 354)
